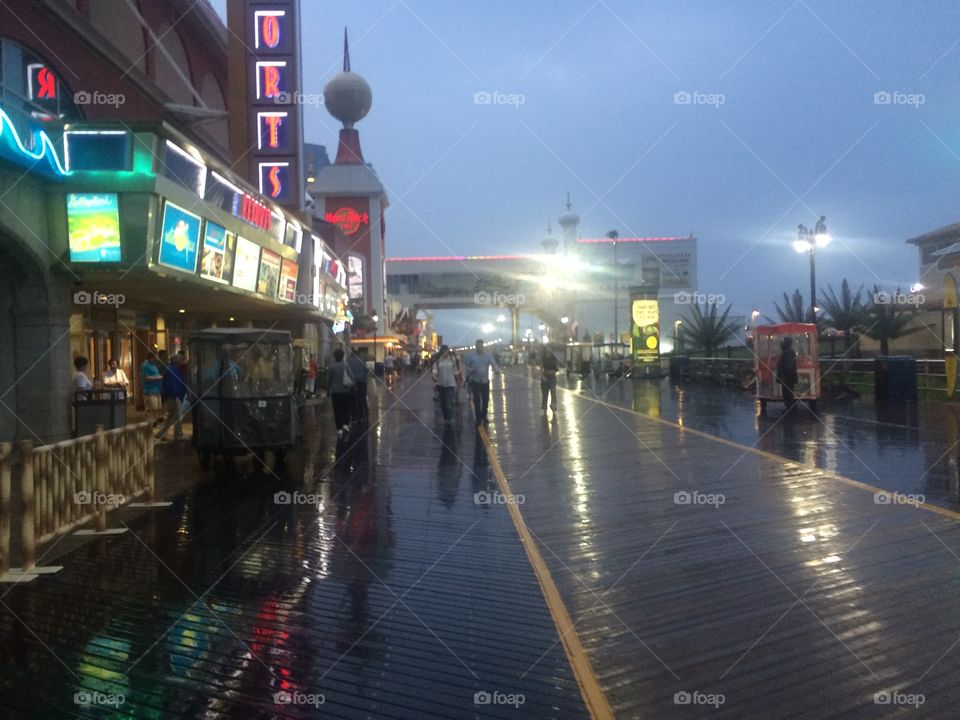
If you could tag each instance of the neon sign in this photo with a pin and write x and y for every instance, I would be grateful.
(271, 130)
(269, 31)
(348, 219)
(41, 156)
(271, 79)
(274, 178)
(255, 213)
(41, 82)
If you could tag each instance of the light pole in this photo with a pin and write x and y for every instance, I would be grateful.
(807, 242)
(376, 320)
(613, 235)
(676, 335)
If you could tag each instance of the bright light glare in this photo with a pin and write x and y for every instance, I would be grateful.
(487, 328)
(501, 318)
(564, 319)
(823, 239)
(801, 246)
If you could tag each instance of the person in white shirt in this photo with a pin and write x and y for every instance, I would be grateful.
(478, 365)
(445, 369)
(80, 380)
(115, 377)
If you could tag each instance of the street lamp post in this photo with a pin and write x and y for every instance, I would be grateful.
(613, 235)
(376, 320)
(676, 335)
(807, 241)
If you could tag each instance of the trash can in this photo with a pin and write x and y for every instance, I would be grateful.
(98, 407)
(895, 378)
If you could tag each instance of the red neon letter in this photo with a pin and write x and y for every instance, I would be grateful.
(270, 30)
(46, 84)
(273, 124)
(276, 185)
(271, 81)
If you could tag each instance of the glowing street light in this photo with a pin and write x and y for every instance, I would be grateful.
(807, 242)
(564, 319)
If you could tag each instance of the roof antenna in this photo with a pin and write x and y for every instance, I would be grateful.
(346, 52)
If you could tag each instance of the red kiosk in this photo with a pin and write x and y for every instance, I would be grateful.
(767, 339)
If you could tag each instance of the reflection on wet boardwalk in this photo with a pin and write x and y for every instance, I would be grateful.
(361, 580)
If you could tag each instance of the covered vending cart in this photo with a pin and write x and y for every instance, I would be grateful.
(768, 340)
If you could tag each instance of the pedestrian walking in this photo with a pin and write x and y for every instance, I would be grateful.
(358, 368)
(151, 379)
(173, 392)
(389, 368)
(478, 366)
(548, 380)
(340, 385)
(312, 376)
(787, 371)
(445, 369)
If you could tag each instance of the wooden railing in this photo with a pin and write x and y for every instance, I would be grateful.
(66, 484)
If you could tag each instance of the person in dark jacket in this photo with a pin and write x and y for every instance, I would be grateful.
(173, 391)
(548, 380)
(358, 368)
(787, 371)
(340, 384)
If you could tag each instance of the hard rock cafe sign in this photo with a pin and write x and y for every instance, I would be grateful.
(348, 219)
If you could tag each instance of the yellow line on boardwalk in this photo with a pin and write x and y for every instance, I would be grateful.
(946, 512)
(590, 689)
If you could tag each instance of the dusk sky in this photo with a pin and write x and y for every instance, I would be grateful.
(785, 126)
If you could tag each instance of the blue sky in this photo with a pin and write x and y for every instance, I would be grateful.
(785, 127)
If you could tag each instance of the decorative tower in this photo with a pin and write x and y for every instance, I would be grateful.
(348, 98)
(550, 240)
(569, 222)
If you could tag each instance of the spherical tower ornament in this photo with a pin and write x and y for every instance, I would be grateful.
(569, 219)
(347, 96)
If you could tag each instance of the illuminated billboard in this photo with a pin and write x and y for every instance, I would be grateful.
(179, 238)
(287, 290)
(269, 278)
(93, 227)
(246, 265)
(217, 260)
(645, 332)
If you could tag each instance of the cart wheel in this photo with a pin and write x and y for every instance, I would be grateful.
(205, 457)
(763, 407)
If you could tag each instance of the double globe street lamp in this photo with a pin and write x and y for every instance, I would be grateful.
(807, 242)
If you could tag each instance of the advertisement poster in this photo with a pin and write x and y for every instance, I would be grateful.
(646, 330)
(269, 274)
(93, 227)
(214, 264)
(179, 238)
(288, 281)
(246, 264)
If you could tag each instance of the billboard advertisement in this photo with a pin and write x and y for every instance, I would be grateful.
(217, 260)
(269, 278)
(287, 291)
(645, 332)
(93, 227)
(179, 238)
(246, 265)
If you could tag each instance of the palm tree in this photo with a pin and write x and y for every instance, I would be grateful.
(794, 309)
(707, 330)
(847, 312)
(887, 320)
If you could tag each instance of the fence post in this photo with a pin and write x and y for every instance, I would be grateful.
(150, 478)
(6, 450)
(100, 464)
(27, 507)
